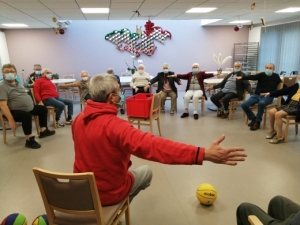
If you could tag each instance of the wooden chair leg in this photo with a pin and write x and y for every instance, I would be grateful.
(37, 124)
(4, 133)
(54, 118)
(296, 128)
(202, 107)
(158, 125)
(286, 131)
(265, 118)
(151, 127)
(139, 125)
(65, 112)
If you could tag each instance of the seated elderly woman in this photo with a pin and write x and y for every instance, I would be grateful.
(83, 85)
(140, 81)
(289, 108)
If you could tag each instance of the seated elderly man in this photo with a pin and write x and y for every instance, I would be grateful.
(267, 81)
(194, 88)
(166, 86)
(37, 68)
(17, 106)
(140, 81)
(231, 88)
(46, 94)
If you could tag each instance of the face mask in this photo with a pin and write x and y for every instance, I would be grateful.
(195, 70)
(236, 70)
(10, 76)
(85, 78)
(122, 99)
(49, 76)
(37, 72)
(166, 71)
(141, 71)
(268, 72)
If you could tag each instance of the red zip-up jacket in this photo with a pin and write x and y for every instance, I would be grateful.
(104, 143)
(43, 89)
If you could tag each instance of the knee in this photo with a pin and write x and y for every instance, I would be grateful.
(244, 207)
(276, 200)
(44, 110)
(147, 171)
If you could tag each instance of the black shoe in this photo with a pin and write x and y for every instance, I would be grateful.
(220, 113)
(122, 111)
(46, 133)
(255, 126)
(196, 116)
(251, 123)
(184, 115)
(31, 143)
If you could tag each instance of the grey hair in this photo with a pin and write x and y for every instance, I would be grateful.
(196, 64)
(141, 65)
(37, 65)
(272, 65)
(110, 71)
(166, 64)
(84, 71)
(238, 62)
(101, 86)
(44, 70)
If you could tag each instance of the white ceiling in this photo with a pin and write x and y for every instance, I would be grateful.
(39, 13)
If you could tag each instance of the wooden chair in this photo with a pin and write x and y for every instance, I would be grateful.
(154, 114)
(201, 102)
(268, 107)
(72, 198)
(5, 125)
(289, 81)
(82, 103)
(289, 120)
(51, 110)
(253, 220)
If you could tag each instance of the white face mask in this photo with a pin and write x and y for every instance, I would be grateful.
(85, 78)
(141, 71)
(49, 76)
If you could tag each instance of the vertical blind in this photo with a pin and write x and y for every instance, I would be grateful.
(280, 45)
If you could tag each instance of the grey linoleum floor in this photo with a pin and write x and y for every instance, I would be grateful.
(268, 171)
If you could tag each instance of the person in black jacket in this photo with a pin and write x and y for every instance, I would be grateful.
(289, 108)
(166, 85)
(230, 88)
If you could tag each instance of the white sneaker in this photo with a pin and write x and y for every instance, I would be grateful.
(59, 124)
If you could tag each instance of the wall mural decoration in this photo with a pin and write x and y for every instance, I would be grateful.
(140, 41)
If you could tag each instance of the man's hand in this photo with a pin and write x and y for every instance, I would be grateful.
(179, 83)
(146, 88)
(229, 156)
(41, 103)
(174, 75)
(238, 77)
(13, 125)
(136, 90)
(265, 94)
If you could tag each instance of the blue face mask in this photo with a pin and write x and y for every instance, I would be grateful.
(166, 71)
(236, 70)
(49, 76)
(268, 72)
(122, 99)
(37, 72)
(195, 70)
(10, 76)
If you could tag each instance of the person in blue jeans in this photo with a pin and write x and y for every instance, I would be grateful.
(46, 94)
(281, 211)
(267, 81)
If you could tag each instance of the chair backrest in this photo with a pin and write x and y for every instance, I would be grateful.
(155, 105)
(279, 86)
(126, 74)
(32, 94)
(69, 76)
(282, 73)
(290, 80)
(294, 73)
(69, 193)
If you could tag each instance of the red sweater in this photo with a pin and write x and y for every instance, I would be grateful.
(43, 89)
(200, 77)
(104, 143)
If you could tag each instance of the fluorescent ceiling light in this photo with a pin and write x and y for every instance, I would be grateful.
(241, 21)
(14, 25)
(208, 21)
(200, 10)
(289, 10)
(95, 10)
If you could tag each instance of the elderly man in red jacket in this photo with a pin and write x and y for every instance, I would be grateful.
(46, 94)
(104, 144)
(194, 88)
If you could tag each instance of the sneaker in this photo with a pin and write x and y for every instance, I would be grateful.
(196, 116)
(224, 116)
(172, 113)
(46, 133)
(276, 140)
(184, 115)
(251, 123)
(122, 111)
(69, 120)
(220, 113)
(59, 124)
(271, 135)
(255, 126)
(31, 143)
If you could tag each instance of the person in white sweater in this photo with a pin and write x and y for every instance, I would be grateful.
(140, 81)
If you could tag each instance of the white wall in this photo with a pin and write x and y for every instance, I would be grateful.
(254, 34)
(4, 56)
